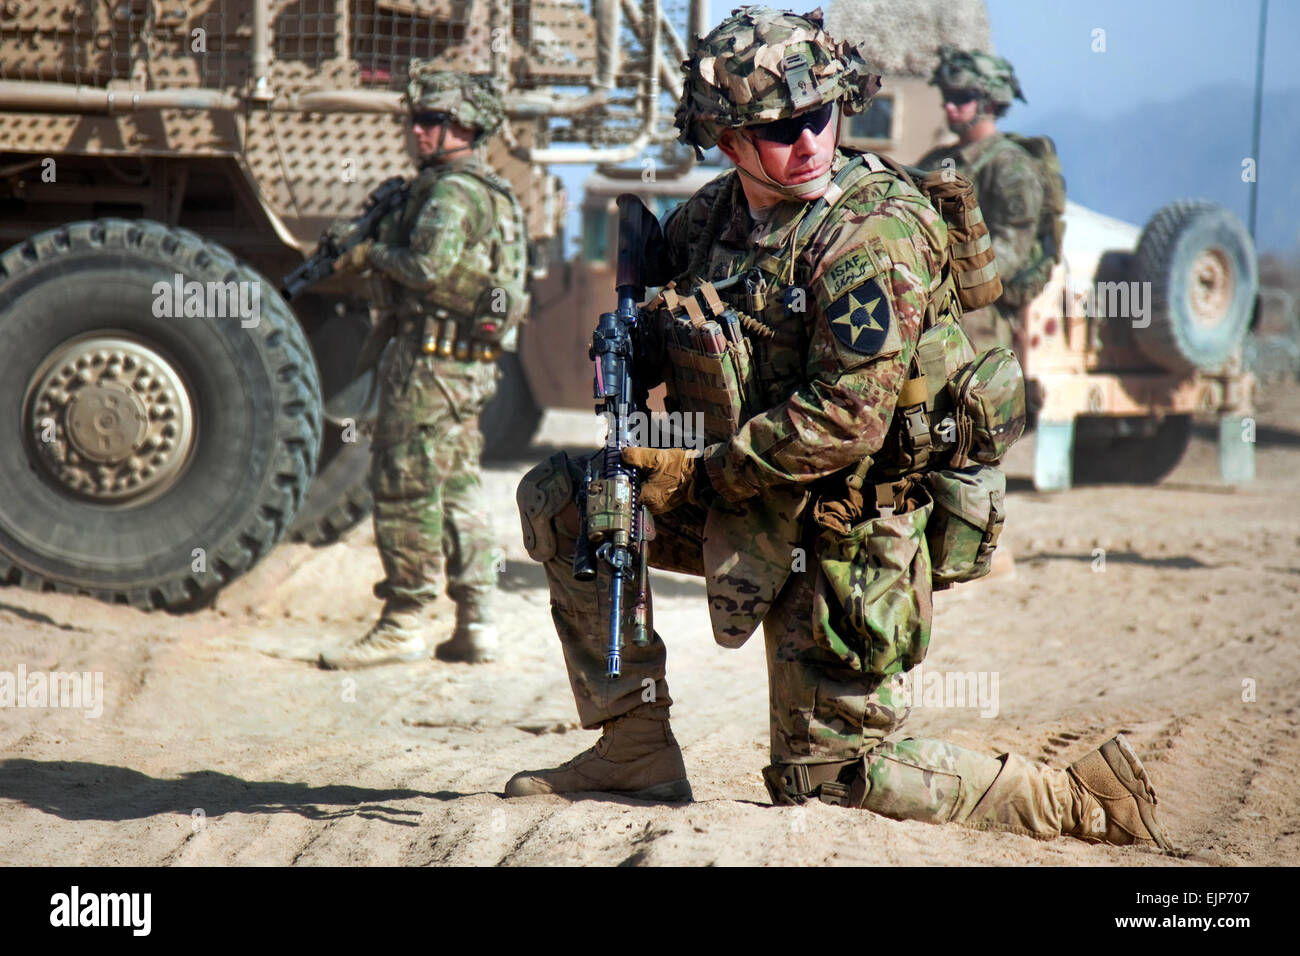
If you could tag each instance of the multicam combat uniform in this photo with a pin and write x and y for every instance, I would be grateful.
(864, 266)
(451, 260)
(429, 499)
(831, 376)
(1007, 180)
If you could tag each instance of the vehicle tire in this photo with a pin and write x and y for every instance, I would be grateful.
(1128, 451)
(340, 496)
(159, 455)
(510, 420)
(1201, 264)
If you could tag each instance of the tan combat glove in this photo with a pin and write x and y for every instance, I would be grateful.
(356, 258)
(671, 479)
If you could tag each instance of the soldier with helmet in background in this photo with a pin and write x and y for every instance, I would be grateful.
(838, 263)
(448, 272)
(978, 89)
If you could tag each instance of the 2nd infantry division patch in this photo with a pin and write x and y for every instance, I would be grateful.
(860, 317)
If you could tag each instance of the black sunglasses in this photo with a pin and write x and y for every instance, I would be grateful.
(960, 97)
(428, 118)
(788, 131)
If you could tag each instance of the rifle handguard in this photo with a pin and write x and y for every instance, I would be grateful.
(609, 510)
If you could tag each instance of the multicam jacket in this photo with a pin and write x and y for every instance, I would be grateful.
(846, 307)
(459, 237)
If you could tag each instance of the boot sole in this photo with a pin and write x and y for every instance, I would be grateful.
(450, 657)
(675, 791)
(1124, 762)
(400, 659)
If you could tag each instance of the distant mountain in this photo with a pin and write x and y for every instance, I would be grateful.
(1131, 164)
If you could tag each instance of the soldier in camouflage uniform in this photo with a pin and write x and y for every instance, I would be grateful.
(978, 89)
(449, 271)
(849, 256)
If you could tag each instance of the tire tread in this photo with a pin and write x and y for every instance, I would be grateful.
(297, 402)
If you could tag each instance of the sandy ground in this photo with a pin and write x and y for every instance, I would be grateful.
(215, 746)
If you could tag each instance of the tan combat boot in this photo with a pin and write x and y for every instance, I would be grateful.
(1114, 797)
(475, 639)
(397, 638)
(635, 757)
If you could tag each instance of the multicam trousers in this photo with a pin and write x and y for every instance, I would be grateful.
(430, 510)
(821, 712)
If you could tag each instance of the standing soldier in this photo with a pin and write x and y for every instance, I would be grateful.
(449, 272)
(977, 90)
(844, 263)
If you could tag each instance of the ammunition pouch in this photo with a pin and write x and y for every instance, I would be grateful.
(969, 509)
(794, 784)
(708, 385)
(442, 333)
(710, 372)
(988, 398)
(871, 604)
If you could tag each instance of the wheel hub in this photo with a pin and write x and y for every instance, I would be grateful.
(1210, 295)
(106, 422)
(110, 418)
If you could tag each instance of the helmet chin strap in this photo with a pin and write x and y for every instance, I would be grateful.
(440, 151)
(803, 191)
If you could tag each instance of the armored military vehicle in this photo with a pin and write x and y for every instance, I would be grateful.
(163, 163)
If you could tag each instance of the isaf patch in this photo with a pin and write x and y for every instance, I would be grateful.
(860, 318)
(848, 272)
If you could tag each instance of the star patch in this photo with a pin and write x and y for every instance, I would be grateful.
(860, 318)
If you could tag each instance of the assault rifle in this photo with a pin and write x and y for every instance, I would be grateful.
(334, 243)
(613, 521)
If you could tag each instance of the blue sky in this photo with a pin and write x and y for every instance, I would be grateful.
(1155, 51)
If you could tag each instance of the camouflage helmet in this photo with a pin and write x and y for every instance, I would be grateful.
(761, 65)
(472, 101)
(992, 76)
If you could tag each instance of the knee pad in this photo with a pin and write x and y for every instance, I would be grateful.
(927, 780)
(543, 493)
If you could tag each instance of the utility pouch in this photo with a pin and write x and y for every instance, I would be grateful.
(498, 315)
(709, 372)
(708, 385)
(988, 396)
(970, 249)
(925, 425)
(969, 509)
(872, 604)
